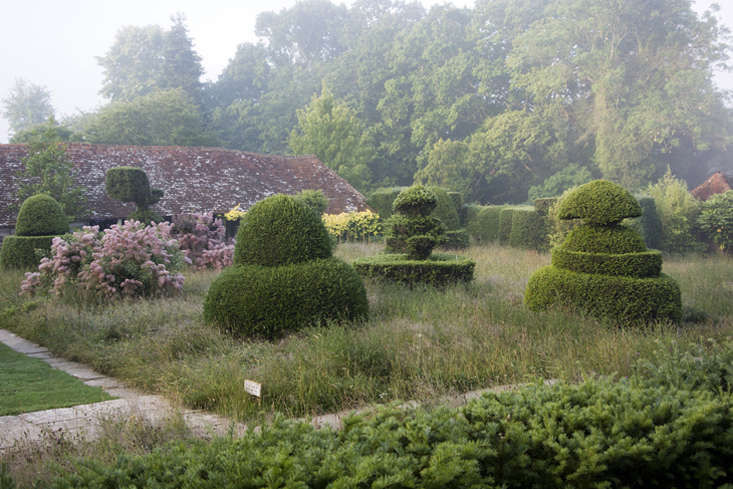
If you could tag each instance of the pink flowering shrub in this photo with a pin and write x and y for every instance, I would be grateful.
(129, 260)
(202, 238)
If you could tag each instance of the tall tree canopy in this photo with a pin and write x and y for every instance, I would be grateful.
(26, 105)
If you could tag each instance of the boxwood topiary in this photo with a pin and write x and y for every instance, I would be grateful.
(415, 201)
(603, 267)
(280, 230)
(261, 301)
(440, 270)
(41, 215)
(131, 184)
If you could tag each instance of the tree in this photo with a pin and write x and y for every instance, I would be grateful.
(146, 59)
(161, 118)
(26, 105)
(333, 132)
(48, 130)
(48, 170)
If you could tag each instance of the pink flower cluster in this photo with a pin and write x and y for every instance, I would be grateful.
(128, 260)
(202, 238)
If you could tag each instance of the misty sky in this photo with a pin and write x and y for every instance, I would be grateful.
(54, 43)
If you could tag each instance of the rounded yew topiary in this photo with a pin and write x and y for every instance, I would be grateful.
(40, 219)
(280, 230)
(415, 201)
(603, 268)
(283, 277)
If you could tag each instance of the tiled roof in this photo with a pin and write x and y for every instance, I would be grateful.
(716, 184)
(193, 179)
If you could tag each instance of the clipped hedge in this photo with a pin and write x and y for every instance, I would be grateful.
(457, 199)
(599, 202)
(41, 215)
(381, 200)
(23, 251)
(455, 240)
(641, 264)
(280, 230)
(598, 434)
(604, 239)
(543, 205)
(128, 184)
(506, 215)
(624, 299)
(439, 270)
(261, 301)
(529, 230)
(445, 209)
(400, 227)
(482, 223)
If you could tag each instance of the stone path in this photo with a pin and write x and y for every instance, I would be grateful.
(85, 420)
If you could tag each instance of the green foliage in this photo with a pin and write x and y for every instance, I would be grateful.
(145, 216)
(678, 211)
(419, 247)
(529, 230)
(627, 300)
(570, 176)
(650, 226)
(455, 240)
(47, 169)
(315, 200)
(280, 230)
(415, 201)
(457, 199)
(47, 131)
(268, 301)
(716, 220)
(639, 264)
(598, 202)
(439, 270)
(399, 228)
(599, 433)
(604, 239)
(381, 200)
(505, 225)
(131, 184)
(544, 205)
(24, 252)
(445, 209)
(26, 105)
(483, 223)
(41, 215)
(353, 226)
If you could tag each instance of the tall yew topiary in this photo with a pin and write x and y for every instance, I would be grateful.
(284, 277)
(603, 267)
(40, 219)
(131, 184)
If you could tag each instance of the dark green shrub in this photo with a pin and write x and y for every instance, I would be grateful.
(24, 251)
(598, 202)
(280, 230)
(445, 209)
(415, 201)
(604, 239)
(145, 216)
(419, 247)
(41, 215)
(716, 220)
(543, 205)
(401, 227)
(677, 210)
(267, 301)
(505, 225)
(641, 264)
(529, 230)
(315, 200)
(629, 300)
(483, 223)
(457, 199)
(381, 200)
(131, 184)
(440, 270)
(455, 240)
(650, 225)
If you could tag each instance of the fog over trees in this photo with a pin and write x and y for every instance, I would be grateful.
(489, 100)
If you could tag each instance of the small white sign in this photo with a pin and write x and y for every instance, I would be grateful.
(252, 387)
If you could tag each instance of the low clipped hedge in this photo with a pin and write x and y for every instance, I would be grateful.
(261, 301)
(20, 251)
(280, 230)
(439, 270)
(529, 229)
(604, 239)
(482, 222)
(641, 264)
(628, 300)
(41, 215)
(455, 240)
(598, 434)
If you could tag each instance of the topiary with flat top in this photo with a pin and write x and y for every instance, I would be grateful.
(283, 277)
(604, 268)
(40, 219)
(131, 184)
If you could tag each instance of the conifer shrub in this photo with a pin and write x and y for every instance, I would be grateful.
(603, 268)
(39, 220)
(529, 230)
(650, 226)
(455, 240)
(445, 210)
(283, 277)
(131, 184)
(457, 199)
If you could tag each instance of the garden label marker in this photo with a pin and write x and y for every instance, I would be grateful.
(252, 387)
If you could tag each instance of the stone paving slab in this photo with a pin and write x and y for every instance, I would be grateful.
(19, 344)
(78, 370)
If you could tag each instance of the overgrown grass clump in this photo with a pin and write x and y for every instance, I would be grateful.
(418, 343)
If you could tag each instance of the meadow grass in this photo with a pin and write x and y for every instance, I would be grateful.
(418, 343)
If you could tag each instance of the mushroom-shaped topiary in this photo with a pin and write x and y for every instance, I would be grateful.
(283, 277)
(603, 267)
(40, 220)
(411, 235)
(131, 184)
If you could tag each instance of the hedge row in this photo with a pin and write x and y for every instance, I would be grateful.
(521, 227)
(627, 300)
(529, 230)
(266, 301)
(598, 434)
(641, 264)
(482, 222)
(439, 270)
(23, 252)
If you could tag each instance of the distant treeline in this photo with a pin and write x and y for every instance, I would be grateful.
(488, 101)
